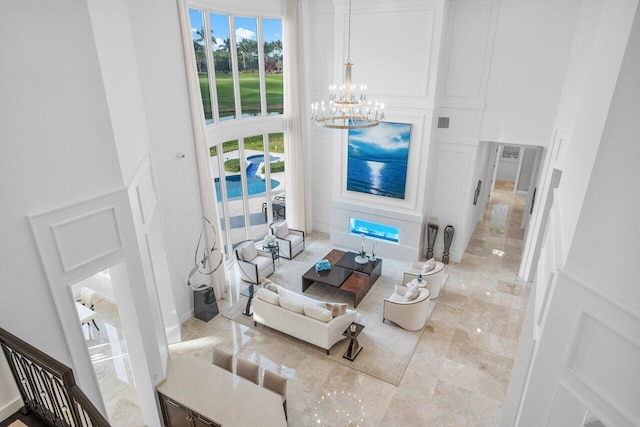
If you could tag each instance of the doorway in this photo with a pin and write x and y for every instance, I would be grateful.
(105, 342)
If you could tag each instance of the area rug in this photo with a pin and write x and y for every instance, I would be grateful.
(387, 348)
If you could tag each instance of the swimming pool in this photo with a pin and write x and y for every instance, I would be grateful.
(255, 185)
(259, 158)
(255, 160)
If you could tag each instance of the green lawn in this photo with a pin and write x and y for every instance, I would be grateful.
(249, 93)
(276, 144)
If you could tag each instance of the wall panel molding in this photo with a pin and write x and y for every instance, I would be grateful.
(451, 188)
(470, 32)
(86, 238)
(599, 355)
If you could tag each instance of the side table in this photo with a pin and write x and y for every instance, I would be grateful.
(249, 292)
(416, 282)
(274, 249)
(354, 347)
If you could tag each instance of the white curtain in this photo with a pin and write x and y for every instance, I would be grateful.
(297, 168)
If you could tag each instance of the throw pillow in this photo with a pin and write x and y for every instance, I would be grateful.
(285, 293)
(249, 251)
(270, 286)
(412, 293)
(401, 290)
(292, 304)
(282, 230)
(268, 296)
(318, 313)
(428, 266)
(336, 308)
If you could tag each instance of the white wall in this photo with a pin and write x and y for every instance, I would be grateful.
(526, 169)
(608, 199)
(530, 55)
(119, 66)
(324, 152)
(606, 56)
(57, 148)
(157, 43)
(507, 169)
(588, 351)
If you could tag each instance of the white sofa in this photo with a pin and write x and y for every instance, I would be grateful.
(298, 325)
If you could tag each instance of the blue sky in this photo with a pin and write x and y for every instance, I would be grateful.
(246, 28)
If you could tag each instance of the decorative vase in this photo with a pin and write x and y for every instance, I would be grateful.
(373, 258)
(448, 239)
(361, 260)
(432, 232)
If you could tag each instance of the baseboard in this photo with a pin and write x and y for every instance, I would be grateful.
(10, 409)
(186, 316)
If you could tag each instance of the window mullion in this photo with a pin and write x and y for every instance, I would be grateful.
(245, 187)
(234, 65)
(222, 180)
(211, 69)
(267, 175)
(261, 70)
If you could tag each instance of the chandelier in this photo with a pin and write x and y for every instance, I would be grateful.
(348, 107)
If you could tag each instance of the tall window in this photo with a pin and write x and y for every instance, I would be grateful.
(239, 61)
(246, 79)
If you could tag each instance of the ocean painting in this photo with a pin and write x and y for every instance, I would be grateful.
(377, 159)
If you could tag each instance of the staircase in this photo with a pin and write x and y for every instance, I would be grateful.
(48, 387)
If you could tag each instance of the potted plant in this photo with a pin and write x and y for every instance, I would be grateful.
(362, 254)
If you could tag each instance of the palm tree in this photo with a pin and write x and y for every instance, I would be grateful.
(247, 48)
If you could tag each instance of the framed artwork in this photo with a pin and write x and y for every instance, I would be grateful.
(509, 152)
(377, 159)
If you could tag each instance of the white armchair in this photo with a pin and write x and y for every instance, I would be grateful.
(291, 241)
(410, 315)
(436, 279)
(254, 264)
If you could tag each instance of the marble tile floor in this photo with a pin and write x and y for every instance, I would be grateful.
(459, 371)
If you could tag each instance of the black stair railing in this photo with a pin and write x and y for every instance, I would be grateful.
(48, 387)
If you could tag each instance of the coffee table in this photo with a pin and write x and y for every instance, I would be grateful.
(354, 282)
(334, 277)
(373, 269)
